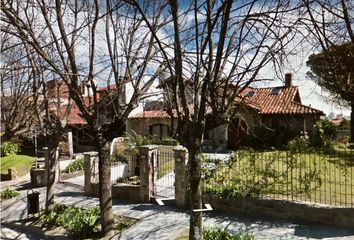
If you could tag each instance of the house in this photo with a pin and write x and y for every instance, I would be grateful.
(273, 114)
(152, 120)
(78, 131)
(280, 114)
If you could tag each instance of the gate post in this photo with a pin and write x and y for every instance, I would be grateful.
(91, 171)
(148, 164)
(181, 159)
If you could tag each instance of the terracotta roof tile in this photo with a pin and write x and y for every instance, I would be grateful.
(278, 100)
(151, 114)
(111, 87)
(74, 117)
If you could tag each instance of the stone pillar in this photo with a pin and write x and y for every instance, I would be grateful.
(148, 161)
(91, 171)
(181, 159)
(71, 144)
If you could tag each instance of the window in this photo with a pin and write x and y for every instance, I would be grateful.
(250, 94)
(275, 91)
(159, 130)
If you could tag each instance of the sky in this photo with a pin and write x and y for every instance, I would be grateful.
(310, 93)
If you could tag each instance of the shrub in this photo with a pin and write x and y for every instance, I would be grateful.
(8, 148)
(169, 141)
(220, 234)
(63, 148)
(123, 223)
(230, 191)
(300, 143)
(8, 194)
(133, 142)
(325, 132)
(75, 166)
(251, 174)
(80, 223)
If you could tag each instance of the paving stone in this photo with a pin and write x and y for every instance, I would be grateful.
(165, 222)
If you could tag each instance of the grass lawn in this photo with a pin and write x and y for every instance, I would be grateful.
(22, 163)
(332, 175)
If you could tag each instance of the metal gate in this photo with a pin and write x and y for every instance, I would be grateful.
(164, 174)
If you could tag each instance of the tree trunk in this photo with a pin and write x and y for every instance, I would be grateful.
(195, 194)
(352, 123)
(52, 156)
(7, 135)
(105, 194)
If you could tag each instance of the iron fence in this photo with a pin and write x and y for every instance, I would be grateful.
(122, 169)
(165, 176)
(318, 177)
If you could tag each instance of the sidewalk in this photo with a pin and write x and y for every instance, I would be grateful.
(165, 222)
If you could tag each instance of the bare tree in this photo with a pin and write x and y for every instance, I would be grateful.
(27, 104)
(217, 49)
(17, 96)
(73, 39)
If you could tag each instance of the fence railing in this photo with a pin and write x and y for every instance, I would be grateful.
(123, 168)
(312, 177)
(165, 175)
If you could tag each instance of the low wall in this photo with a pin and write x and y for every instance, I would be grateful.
(122, 191)
(10, 175)
(65, 176)
(38, 177)
(119, 170)
(298, 212)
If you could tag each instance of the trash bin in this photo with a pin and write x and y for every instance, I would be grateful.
(32, 202)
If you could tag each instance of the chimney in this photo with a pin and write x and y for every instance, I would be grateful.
(288, 79)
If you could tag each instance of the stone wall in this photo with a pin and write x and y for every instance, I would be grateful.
(10, 175)
(142, 126)
(121, 191)
(290, 211)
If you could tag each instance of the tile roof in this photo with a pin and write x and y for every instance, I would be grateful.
(151, 114)
(74, 117)
(111, 87)
(278, 100)
(159, 112)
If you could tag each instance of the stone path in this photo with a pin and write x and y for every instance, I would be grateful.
(164, 222)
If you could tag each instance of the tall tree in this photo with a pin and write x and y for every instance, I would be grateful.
(331, 26)
(333, 70)
(212, 51)
(26, 103)
(17, 98)
(92, 43)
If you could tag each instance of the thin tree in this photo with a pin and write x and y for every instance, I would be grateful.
(213, 51)
(17, 97)
(85, 43)
(28, 105)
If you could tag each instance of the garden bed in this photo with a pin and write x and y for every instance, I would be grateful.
(60, 223)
